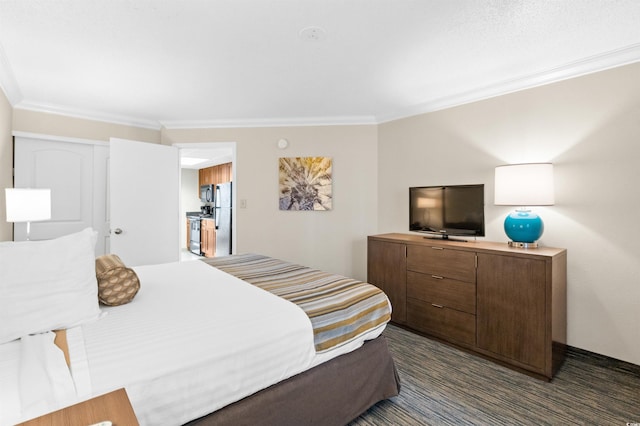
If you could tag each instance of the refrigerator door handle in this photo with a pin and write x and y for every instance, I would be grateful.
(216, 207)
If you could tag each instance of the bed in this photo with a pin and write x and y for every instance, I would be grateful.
(244, 339)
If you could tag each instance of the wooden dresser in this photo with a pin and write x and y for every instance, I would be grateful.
(504, 303)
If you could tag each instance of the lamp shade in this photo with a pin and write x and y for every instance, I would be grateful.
(524, 185)
(28, 204)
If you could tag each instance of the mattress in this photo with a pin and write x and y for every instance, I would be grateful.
(194, 339)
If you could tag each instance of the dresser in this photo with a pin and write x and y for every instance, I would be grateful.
(505, 304)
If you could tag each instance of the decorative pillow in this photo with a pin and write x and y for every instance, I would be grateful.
(47, 285)
(117, 284)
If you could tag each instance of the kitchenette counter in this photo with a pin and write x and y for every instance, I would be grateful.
(199, 215)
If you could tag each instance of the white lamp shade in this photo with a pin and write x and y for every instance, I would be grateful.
(524, 185)
(28, 204)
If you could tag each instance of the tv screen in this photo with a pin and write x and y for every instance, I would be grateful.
(447, 210)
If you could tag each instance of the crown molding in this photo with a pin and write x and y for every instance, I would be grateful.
(89, 115)
(596, 63)
(589, 65)
(271, 122)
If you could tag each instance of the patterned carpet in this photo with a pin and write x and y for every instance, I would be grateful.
(442, 385)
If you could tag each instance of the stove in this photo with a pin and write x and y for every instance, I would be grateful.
(194, 234)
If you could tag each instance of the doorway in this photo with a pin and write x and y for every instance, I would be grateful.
(194, 157)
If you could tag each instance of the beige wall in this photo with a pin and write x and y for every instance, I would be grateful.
(72, 127)
(6, 164)
(332, 240)
(589, 127)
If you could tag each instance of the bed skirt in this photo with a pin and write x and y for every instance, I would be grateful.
(332, 393)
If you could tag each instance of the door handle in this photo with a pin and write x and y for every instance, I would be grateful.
(117, 231)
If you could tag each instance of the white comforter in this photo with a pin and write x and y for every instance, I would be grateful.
(193, 340)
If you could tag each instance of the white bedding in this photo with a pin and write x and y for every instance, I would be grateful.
(193, 340)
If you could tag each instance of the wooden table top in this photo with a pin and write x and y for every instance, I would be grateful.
(113, 406)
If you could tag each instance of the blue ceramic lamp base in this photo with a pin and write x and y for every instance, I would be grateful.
(524, 228)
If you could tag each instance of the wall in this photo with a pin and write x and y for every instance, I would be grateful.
(332, 240)
(6, 164)
(189, 201)
(589, 127)
(59, 125)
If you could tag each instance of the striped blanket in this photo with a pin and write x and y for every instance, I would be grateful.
(340, 308)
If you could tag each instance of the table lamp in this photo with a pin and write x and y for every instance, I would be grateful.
(524, 185)
(28, 205)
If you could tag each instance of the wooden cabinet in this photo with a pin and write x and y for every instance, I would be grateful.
(208, 237)
(387, 270)
(215, 175)
(515, 312)
(505, 303)
(188, 234)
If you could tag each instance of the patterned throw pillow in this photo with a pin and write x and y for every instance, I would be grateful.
(117, 284)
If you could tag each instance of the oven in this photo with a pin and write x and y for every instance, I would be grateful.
(194, 234)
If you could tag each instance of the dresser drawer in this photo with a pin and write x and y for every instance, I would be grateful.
(446, 292)
(456, 264)
(449, 324)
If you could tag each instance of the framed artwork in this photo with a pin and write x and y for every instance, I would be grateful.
(305, 183)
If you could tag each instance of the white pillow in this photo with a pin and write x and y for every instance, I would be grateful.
(47, 285)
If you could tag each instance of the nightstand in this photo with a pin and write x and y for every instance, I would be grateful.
(113, 406)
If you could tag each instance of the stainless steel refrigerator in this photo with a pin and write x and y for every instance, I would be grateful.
(222, 217)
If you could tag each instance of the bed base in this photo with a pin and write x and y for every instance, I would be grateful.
(332, 393)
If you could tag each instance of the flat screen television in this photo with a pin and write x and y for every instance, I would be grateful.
(451, 210)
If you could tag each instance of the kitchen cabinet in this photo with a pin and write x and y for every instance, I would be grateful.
(188, 234)
(215, 175)
(208, 237)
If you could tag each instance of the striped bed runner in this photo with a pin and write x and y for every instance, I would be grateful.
(340, 308)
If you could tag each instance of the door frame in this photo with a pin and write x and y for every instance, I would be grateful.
(234, 159)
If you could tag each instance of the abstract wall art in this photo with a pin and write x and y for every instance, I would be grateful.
(305, 183)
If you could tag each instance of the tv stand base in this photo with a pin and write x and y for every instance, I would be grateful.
(444, 237)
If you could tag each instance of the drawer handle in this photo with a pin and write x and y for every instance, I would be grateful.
(437, 306)
(438, 248)
(437, 277)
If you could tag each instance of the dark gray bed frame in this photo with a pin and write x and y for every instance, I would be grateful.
(332, 393)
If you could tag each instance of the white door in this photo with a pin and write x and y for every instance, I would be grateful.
(74, 170)
(144, 182)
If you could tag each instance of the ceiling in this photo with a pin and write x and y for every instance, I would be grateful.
(210, 63)
(200, 158)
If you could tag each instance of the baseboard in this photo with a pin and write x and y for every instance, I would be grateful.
(602, 361)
